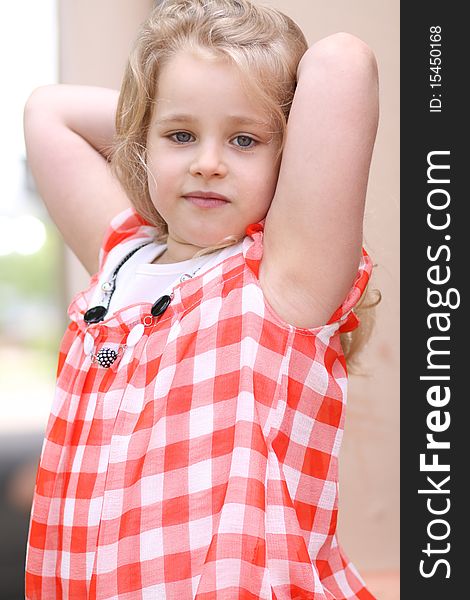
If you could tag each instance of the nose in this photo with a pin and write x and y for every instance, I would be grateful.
(208, 161)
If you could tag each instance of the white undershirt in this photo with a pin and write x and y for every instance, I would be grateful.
(140, 281)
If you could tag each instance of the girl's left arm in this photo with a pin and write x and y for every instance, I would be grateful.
(313, 230)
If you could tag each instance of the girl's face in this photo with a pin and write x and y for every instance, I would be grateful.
(211, 154)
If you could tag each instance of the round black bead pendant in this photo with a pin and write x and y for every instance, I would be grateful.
(106, 357)
(95, 314)
(160, 306)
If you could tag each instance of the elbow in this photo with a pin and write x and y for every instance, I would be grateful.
(39, 98)
(345, 52)
(30, 109)
(344, 42)
(33, 103)
(36, 112)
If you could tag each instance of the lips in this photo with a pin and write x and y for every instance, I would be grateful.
(206, 199)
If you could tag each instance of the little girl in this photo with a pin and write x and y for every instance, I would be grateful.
(192, 449)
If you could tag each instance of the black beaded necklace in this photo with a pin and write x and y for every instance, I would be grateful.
(107, 356)
(97, 313)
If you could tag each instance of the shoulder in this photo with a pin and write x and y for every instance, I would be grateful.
(126, 230)
(291, 306)
(298, 308)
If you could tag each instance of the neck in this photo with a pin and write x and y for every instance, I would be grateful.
(176, 252)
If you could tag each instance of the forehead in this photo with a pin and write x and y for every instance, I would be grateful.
(190, 83)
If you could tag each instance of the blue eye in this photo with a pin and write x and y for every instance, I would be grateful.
(244, 141)
(181, 137)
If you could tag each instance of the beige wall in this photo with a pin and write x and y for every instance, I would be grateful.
(95, 38)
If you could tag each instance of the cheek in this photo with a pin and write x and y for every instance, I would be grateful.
(268, 187)
(163, 174)
(267, 180)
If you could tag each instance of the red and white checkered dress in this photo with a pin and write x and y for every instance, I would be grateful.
(204, 463)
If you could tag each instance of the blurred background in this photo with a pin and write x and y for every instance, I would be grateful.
(87, 42)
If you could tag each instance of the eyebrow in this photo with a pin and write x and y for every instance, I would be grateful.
(235, 119)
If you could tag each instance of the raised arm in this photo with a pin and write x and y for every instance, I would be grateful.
(313, 231)
(69, 131)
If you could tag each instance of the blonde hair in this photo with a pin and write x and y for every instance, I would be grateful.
(262, 42)
(354, 342)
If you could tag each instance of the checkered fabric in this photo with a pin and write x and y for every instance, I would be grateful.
(203, 463)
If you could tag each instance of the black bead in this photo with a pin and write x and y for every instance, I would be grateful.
(95, 314)
(160, 306)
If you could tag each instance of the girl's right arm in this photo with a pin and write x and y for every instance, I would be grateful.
(69, 132)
